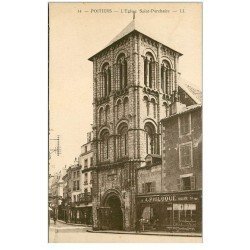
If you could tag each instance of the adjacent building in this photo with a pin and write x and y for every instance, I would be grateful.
(170, 196)
(56, 193)
(77, 187)
(85, 197)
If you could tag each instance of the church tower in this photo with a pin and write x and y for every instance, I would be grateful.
(135, 83)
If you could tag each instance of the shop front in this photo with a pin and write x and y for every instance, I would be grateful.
(81, 215)
(170, 211)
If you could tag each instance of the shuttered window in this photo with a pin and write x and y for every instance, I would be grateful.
(185, 124)
(143, 188)
(185, 157)
(186, 183)
(192, 182)
(152, 187)
(149, 187)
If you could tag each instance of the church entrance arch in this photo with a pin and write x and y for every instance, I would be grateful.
(113, 212)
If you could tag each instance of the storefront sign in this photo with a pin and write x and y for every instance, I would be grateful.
(168, 198)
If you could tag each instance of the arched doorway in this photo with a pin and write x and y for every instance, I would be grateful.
(116, 216)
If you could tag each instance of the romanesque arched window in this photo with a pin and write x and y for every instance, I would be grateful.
(122, 71)
(125, 106)
(101, 116)
(149, 70)
(151, 140)
(153, 105)
(165, 109)
(146, 103)
(104, 145)
(122, 140)
(107, 113)
(166, 77)
(106, 80)
(119, 109)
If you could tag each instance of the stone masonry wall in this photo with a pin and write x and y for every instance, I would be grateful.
(170, 154)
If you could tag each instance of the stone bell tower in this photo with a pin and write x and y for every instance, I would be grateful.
(135, 81)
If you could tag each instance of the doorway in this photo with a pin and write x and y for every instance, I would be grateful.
(116, 216)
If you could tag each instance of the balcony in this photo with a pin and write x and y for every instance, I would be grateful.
(85, 198)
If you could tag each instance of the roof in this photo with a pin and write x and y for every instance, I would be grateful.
(192, 91)
(134, 25)
(184, 110)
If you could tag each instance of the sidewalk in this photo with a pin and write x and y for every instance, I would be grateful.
(147, 233)
(61, 226)
(74, 224)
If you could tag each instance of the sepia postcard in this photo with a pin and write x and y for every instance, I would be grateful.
(125, 122)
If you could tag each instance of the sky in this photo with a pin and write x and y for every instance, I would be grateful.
(79, 30)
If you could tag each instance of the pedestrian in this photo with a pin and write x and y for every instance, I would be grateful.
(54, 218)
(138, 226)
(141, 224)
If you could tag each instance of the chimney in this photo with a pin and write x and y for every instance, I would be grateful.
(176, 107)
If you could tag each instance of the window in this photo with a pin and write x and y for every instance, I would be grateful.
(86, 163)
(77, 185)
(148, 187)
(106, 80)
(74, 175)
(104, 145)
(166, 77)
(165, 109)
(107, 113)
(91, 161)
(185, 155)
(153, 105)
(149, 70)
(185, 124)
(123, 140)
(184, 212)
(119, 109)
(78, 173)
(86, 178)
(86, 149)
(74, 185)
(125, 107)
(101, 116)
(74, 198)
(151, 142)
(186, 182)
(122, 71)
(146, 103)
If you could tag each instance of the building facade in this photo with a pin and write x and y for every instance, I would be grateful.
(85, 197)
(135, 84)
(56, 194)
(77, 187)
(170, 194)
